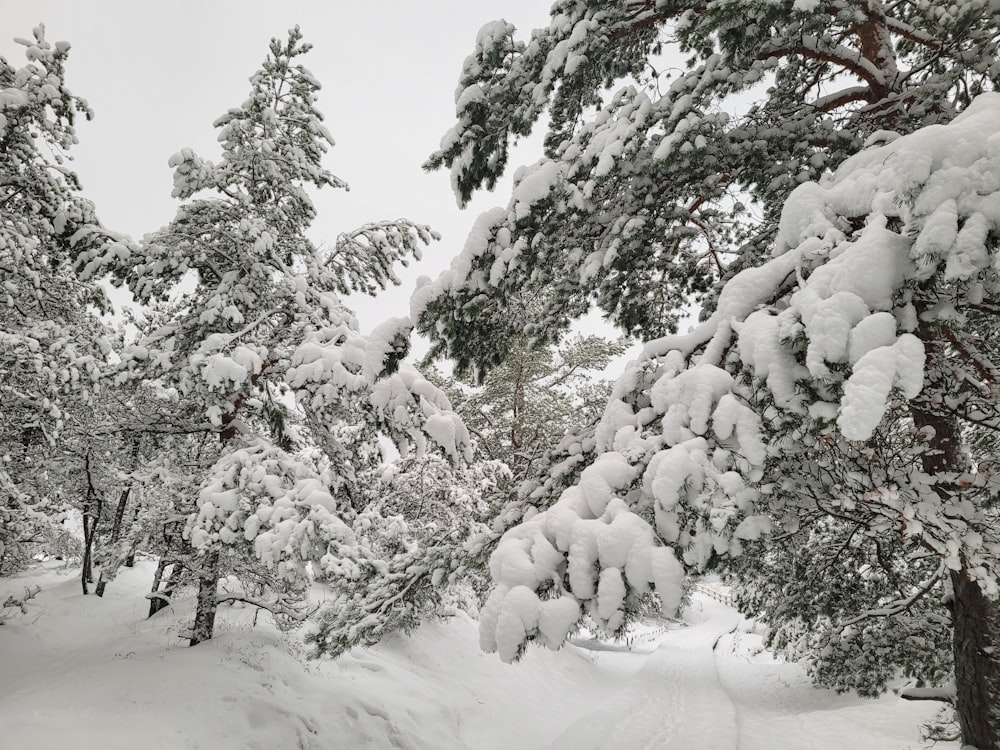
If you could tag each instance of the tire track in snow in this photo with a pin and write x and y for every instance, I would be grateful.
(676, 701)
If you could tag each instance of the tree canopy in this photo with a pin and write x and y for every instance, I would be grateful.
(828, 414)
(659, 182)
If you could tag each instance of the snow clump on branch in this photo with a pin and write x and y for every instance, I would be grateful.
(828, 329)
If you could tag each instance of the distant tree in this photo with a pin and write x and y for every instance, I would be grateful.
(264, 328)
(841, 238)
(426, 527)
(527, 403)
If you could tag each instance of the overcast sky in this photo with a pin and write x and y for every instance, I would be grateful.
(158, 74)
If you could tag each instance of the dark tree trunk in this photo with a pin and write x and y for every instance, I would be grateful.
(130, 558)
(91, 513)
(208, 600)
(116, 527)
(210, 571)
(116, 532)
(976, 625)
(975, 619)
(174, 580)
(93, 506)
(155, 603)
(88, 539)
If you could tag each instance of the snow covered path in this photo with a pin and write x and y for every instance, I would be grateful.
(675, 700)
(777, 706)
(711, 685)
(97, 675)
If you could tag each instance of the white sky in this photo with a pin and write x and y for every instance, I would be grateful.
(158, 74)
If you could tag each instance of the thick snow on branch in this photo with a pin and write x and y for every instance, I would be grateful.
(276, 502)
(337, 364)
(826, 331)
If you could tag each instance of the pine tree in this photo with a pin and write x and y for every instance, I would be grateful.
(647, 196)
(53, 347)
(419, 553)
(827, 417)
(530, 401)
(425, 527)
(264, 327)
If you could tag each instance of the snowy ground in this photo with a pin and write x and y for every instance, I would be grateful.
(90, 674)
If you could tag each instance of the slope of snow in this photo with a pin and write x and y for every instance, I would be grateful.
(88, 673)
(777, 706)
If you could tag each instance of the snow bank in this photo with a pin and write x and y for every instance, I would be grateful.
(95, 674)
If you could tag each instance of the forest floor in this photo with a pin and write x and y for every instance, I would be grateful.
(94, 674)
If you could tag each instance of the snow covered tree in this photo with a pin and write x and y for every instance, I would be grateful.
(419, 551)
(643, 199)
(525, 414)
(528, 402)
(831, 410)
(263, 328)
(53, 347)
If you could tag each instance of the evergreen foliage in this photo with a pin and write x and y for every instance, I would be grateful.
(827, 413)
(262, 329)
(530, 401)
(654, 179)
(53, 347)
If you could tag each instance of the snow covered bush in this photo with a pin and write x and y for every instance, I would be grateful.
(24, 541)
(15, 605)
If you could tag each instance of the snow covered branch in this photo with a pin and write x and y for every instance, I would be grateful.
(944, 694)
(901, 605)
(276, 605)
(13, 604)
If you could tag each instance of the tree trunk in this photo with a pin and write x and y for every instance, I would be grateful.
(93, 507)
(210, 572)
(208, 601)
(130, 558)
(975, 619)
(976, 626)
(156, 603)
(155, 589)
(116, 532)
(116, 527)
(87, 544)
(91, 514)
